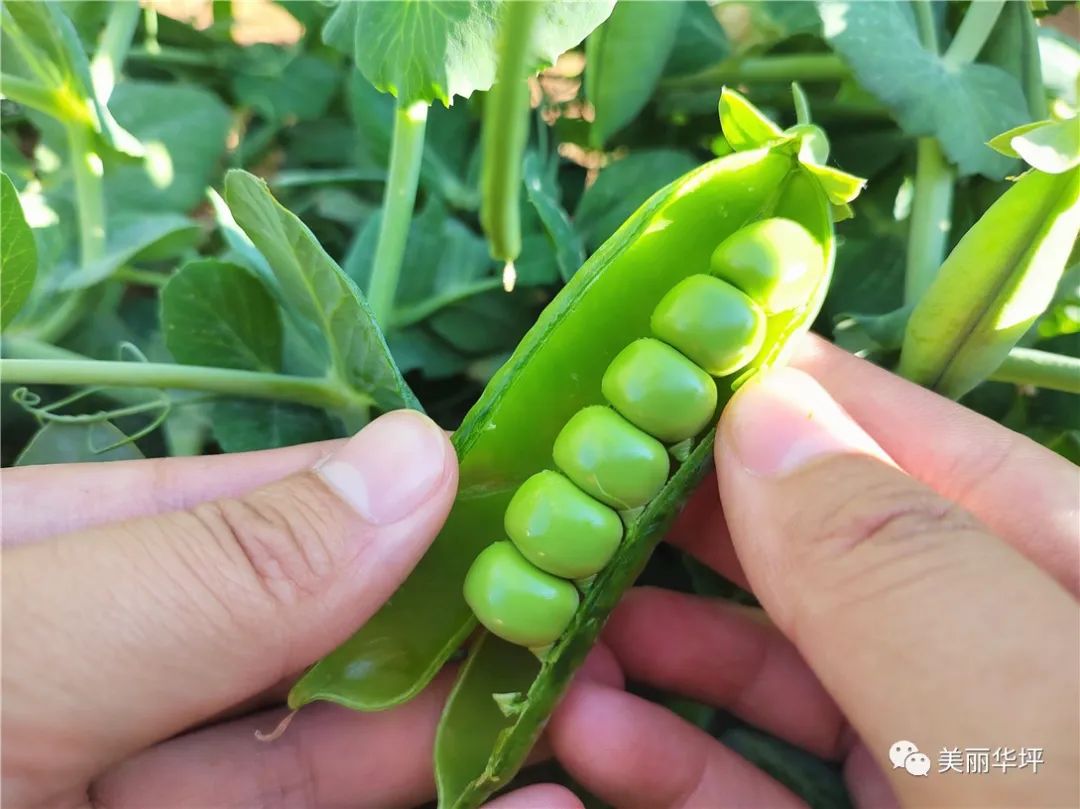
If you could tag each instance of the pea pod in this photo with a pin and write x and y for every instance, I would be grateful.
(997, 280)
(504, 692)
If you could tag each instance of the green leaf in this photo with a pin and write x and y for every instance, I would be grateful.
(744, 125)
(1013, 45)
(58, 442)
(134, 237)
(839, 186)
(219, 314)
(49, 51)
(247, 425)
(1002, 144)
(183, 129)
(18, 254)
(1050, 146)
(700, 40)
(324, 305)
(541, 193)
(429, 50)
(622, 186)
(624, 58)
(298, 90)
(962, 107)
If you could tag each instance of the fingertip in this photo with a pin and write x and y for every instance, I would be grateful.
(602, 667)
(537, 796)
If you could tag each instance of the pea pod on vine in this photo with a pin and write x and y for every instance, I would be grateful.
(1003, 273)
(584, 394)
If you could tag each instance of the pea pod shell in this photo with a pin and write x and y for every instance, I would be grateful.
(997, 280)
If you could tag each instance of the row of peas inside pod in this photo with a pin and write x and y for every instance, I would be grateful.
(564, 526)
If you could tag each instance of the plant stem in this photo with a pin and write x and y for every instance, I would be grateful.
(399, 197)
(303, 390)
(30, 94)
(931, 210)
(786, 68)
(1040, 369)
(505, 133)
(924, 19)
(978, 22)
(113, 46)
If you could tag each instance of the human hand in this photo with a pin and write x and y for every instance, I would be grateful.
(918, 567)
(143, 647)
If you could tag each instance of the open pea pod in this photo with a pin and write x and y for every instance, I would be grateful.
(504, 693)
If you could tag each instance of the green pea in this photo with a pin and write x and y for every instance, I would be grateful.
(559, 528)
(610, 458)
(516, 600)
(711, 322)
(660, 390)
(774, 261)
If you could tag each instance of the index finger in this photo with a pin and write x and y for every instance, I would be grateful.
(1022, 491)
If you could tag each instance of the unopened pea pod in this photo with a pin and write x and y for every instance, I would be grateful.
(997, 280)
(504, 692)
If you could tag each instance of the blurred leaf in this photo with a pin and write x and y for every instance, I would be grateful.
(18, 254)
(487, 323)
(624, 58)
(246, 425)
(300, 90)
(816, 782)
(622, 186)
(429, 50)
(778, 20)
(1013, 45)
(700, 40)
(323, 304)
(962, 107)
(58, 442)
(183, 130)
(219, 314)
(1049, 146)
(1060, 57)
(446, 261)
(52, 54)
(416, 348)
(542, 194)
(133, 237)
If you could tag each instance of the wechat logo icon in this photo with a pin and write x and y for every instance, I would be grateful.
(906, 755)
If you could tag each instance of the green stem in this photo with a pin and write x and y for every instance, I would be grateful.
(86, 168)
(251, 384)
(978, 22)
(30, 94)
(786, 68)
(505, 133)
(931, 209)
(399, 197)
(113, 46)
(924, 19)
(1040, 369)
(179, 57)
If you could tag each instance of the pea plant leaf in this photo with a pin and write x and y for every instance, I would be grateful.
(147, 236)
(624, 59)
(220, 314)
(622, 186)
(700, 40)
(246, 425)
(1050, 146)
(542, 194)
(43, 45)
(18, 254)
(447, 263)
(183, 130)
(324, 305)
(58, 442)
(429, 50)
(963, 107)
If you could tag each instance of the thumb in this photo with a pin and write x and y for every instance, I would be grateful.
(129, 633)
(922, 624)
